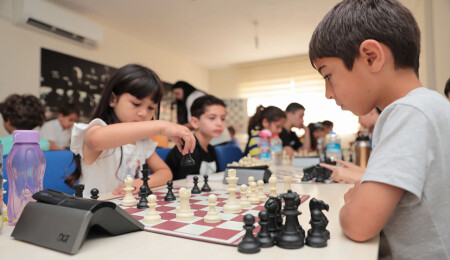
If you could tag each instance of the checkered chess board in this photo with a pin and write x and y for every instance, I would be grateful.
(228, 231)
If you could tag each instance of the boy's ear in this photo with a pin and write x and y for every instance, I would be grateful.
(372, 54)
(194, 122)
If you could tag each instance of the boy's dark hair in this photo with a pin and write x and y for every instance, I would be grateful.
(24, 112)
(69, 109)
(231, 130)
(134, 79)
(271, 113)
(351, 22)
(327, 123)
(447, 87)
(199, 106)
(294, 107)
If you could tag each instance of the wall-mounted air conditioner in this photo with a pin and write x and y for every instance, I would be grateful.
(56, 20)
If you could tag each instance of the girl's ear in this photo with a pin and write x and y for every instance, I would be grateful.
(265, 123)
(372, 54)
(112, 100)
(194, 122)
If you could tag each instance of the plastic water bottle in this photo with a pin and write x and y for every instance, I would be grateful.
(333, 150)
(276, 146)
(25, 166)
(264, 145)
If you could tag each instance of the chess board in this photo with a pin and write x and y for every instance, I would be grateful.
(228, 231)
(295, 172)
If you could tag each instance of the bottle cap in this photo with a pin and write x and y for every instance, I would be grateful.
(275, 135)
(26, 136)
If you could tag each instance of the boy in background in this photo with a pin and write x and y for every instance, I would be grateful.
(368, 54)
(59, 130)
(294, 118)
(208, 120)
(21, 112)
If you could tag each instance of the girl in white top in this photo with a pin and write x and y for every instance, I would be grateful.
(116, 142)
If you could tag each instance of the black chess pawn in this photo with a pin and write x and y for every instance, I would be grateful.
(78, 189)
(315, 236)
(289, 236)
(196, 189)
(169, 196)
(272, 205)
(249, 244)
(263, 236)
(205, 184)
(187, 160)
(142, 204)
(94, 194)
(145, 171)
(297, 223)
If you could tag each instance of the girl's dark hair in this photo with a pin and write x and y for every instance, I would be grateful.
(313, 127)
(134, 79)
(24, 112)
(182, 113)
(271, 113)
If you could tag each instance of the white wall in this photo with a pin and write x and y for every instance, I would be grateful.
(20, 56)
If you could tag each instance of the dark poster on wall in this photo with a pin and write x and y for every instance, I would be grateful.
(67, 79)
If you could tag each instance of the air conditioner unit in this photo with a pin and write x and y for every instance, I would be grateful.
(56, 20)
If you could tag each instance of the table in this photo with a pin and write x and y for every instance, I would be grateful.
(147, 245)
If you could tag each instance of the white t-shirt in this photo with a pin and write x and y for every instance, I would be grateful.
(103, 174)
(411, 150)
(53, 131)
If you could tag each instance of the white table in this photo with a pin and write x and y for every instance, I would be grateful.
(147, 245)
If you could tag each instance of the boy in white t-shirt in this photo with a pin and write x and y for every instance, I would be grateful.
(59, 130)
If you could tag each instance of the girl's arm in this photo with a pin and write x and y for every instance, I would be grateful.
(161, 174)
(99, 138)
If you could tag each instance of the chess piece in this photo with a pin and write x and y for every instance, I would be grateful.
(195, 189)
(250, 180)
(205, 184)
(289, 236)
(272, 205)
(315, 236)
(249, 244)
(297, 223)
(320, 174)
(142, 204)
(232, 205)
(263, 236)
(128, 199)
(145, 171)
(319, 204)
(212, 216)
(254, 199)
(273, 185)
(94, 194)
(78, 189)
(169, 196)
(152, 215)
(279, 217)
(261, 195)
(245, 203)
(184, 212)
(187, 161)
(287, 183)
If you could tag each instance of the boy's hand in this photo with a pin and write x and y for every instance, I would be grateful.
(177, 133)
(349, 173)
(349, 194)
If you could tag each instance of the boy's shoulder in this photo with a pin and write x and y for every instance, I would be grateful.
(425, 100)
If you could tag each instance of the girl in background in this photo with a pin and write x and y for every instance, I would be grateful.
(270, 118)
(117, 138)
(315, 131)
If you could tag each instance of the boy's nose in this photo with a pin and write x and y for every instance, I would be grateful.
(328, 92)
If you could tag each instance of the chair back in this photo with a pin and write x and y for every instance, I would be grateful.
(58, 166)
(227, 154)
(162, 152)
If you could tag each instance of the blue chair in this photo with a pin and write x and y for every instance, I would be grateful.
(227, 154)
(162, 152)
(58, 166)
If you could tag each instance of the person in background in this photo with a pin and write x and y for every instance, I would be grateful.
(368, 53)
(59, 130)
(447, 89)
(294, 118)
(270, 118)
(21, 112)
(234, 140)
(315, 131)
(327, 127)
(116, 142)
(208, 120)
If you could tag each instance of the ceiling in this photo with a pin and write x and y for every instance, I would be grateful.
(212, 33)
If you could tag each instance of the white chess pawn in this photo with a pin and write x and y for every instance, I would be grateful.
(287, 183)
(250, 180)
(261, 195)
(245, 203)
(253, 195)
(184, 213)
(212, 216)
(152, 216)
(232, 205)
(273, 186)
(129, 199)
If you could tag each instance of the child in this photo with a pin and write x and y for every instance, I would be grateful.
(208, 120)
(270, 118)
(21, 112)
(315, 131)
(327, 126)
(294, 118)
(368, 53)
(116, 142)
(59, 130)
(234, 140)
